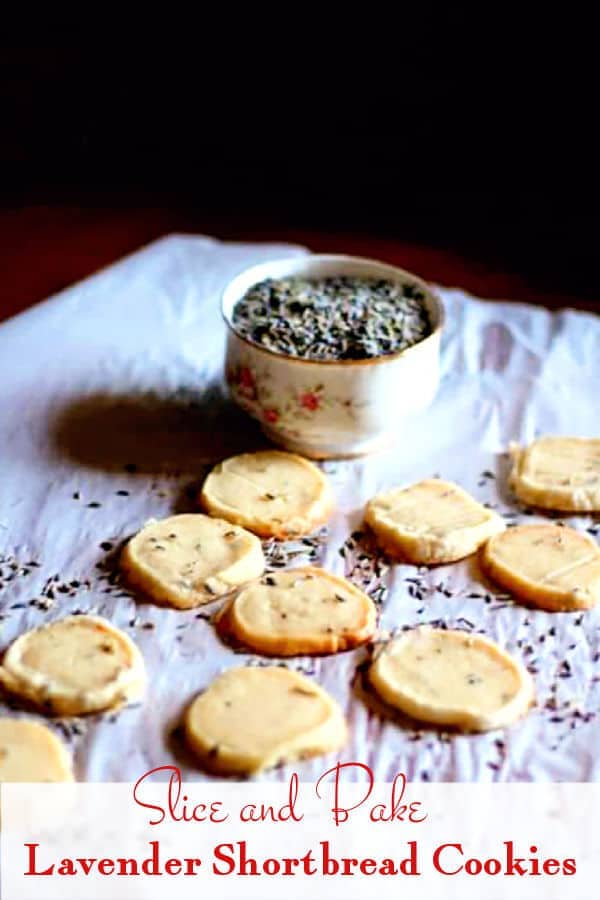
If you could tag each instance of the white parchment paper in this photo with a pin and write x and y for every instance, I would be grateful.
(112, 408)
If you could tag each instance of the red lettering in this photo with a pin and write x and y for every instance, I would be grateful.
(473, 866)
(158, 809)
(31, 870)
(253, 812)
(173, 866)
(151, 865)
(415, 807)
(341, 813)
(128, 867)
(492, 866)
(551, 867)
(177, 805)
(437, 858)
(515, 865)
(227, 858)
(292, 798)
(191, 864)
(330, 863)
(86, 864)
(397, 809)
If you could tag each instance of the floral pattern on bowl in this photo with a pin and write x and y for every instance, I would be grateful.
(330, 408)
(254, 390)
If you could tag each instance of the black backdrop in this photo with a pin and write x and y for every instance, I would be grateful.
(477, 142)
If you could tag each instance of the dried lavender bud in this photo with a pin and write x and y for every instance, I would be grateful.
(333, 318)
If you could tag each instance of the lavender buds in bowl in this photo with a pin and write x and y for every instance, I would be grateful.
(329, 352)
(332, 318)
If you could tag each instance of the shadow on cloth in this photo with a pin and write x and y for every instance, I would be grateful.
(154, 433)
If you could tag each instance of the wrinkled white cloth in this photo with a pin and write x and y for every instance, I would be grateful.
(112, 396)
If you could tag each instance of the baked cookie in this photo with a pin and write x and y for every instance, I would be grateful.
(190, 559)
(550, 566)
(30, 752)
(300, 611)
(430, 522)
(250, 719)
(561, 473)
(272, 493)
(452, 678)
(79, 664)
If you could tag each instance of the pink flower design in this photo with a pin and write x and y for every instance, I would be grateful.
(310, 401)
(245, 377)
(270, 415)
(246, 382)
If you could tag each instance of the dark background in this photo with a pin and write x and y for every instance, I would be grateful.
(468, 158)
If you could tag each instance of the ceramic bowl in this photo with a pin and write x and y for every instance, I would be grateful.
(330, 408)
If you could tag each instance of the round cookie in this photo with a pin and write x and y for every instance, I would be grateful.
(190, 559)
(299, 611)
(30, 752)
(79, 664)
(252, 718)
(561, 473)
(430, 522)
(452, 678)
(272, 493)
(550, 566)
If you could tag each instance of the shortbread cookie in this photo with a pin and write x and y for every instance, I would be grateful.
(430, 522)
(272, 493)
(30, 752)
(561, 473)
(79, 664)
(252, 718)
(300, 611)
(555, 568)
(452, 678)
(190, 559)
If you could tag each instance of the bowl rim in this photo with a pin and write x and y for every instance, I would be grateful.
(395, 272)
